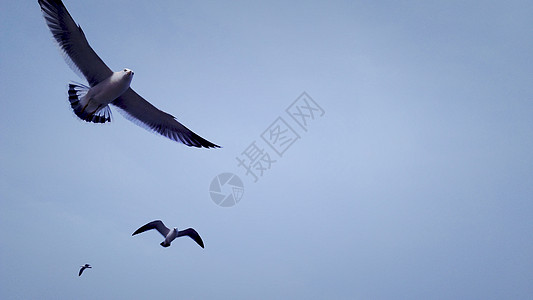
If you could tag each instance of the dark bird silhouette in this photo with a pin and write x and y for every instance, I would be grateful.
(170, 234)
(86, 266)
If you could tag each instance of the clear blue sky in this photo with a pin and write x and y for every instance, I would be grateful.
(416, 183)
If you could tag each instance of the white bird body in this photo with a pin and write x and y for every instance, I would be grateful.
(110, 88)
(106, 87)
(170, 234)
(103, 93)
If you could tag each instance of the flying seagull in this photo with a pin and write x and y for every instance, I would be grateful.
(170, 234)
(91, 103)
(86, 266)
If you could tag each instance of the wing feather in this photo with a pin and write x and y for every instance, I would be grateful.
(71, 40)
(157, 224)
(193, 235)
(144, 114)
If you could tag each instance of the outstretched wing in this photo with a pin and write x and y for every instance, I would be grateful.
(157, 224)
(71, 39)
(144, 114)
(81, 270)
(193, 235)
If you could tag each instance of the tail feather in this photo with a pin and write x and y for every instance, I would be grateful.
(76, 93)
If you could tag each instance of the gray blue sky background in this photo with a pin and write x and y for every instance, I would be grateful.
(417, 183)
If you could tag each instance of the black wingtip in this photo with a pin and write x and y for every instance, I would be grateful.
(199, 142)
(199, 241)
(211, 146)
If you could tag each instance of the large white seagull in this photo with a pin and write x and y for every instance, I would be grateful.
(106, 87)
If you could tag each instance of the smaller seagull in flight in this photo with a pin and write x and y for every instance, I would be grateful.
(91, 103)
(86, 266)
(170, 234)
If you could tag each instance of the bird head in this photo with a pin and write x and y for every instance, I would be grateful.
(128, 72)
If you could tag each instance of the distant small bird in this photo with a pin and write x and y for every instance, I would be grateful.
(91, 103)
(86, 266)
(170, 234)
